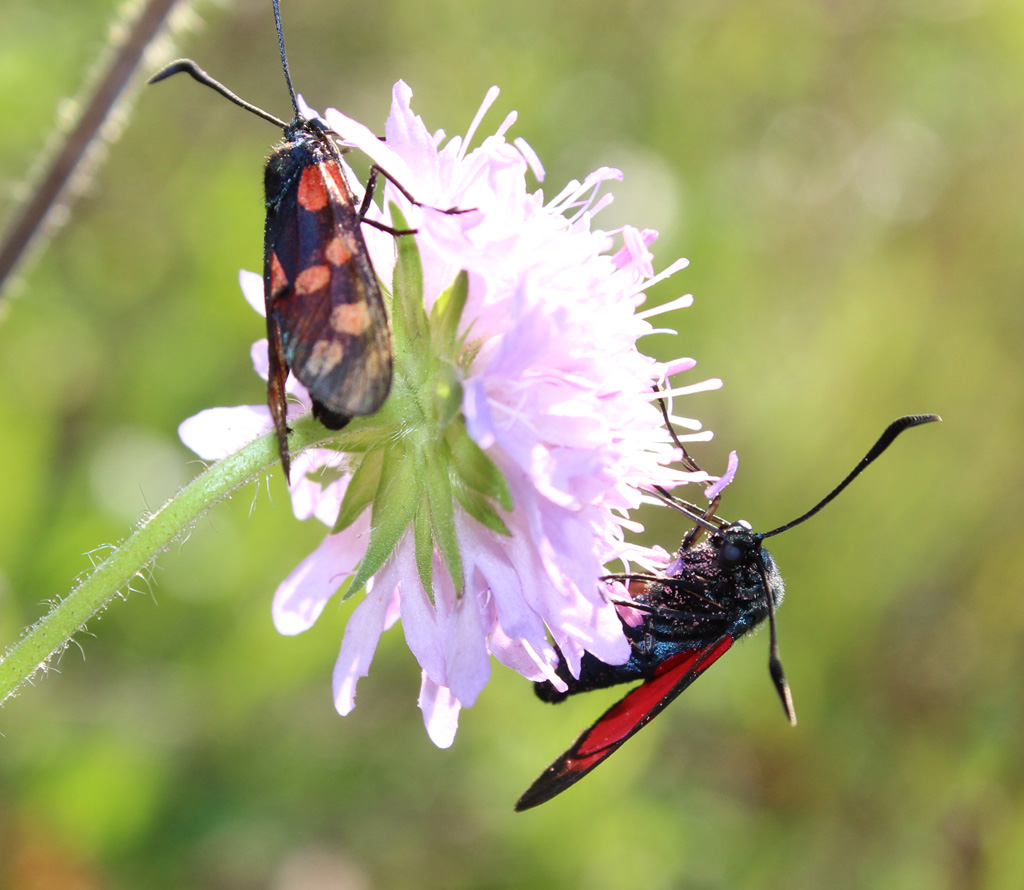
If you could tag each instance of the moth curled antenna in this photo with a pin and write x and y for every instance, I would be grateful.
(187, 66)
(889, 435)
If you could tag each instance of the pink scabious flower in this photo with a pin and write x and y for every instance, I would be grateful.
(482, 502)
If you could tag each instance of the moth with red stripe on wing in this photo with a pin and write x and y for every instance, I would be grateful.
(714, 592)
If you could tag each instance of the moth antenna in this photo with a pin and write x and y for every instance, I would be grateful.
(774, 662)
(284, 57)
(885, 440)
(191, 68)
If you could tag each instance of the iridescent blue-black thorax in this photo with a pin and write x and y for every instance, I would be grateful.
(719, 586)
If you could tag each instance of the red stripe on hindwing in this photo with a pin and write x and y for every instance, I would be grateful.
(623, 720)
(638, 707)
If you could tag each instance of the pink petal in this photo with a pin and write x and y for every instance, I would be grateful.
(218, 432)
(252, 289)
(301, 597)
(466, 659)
(420, 622)
(362, 137)
(309, 496)
(477, 410)
(521, 657)
(362, 633)
(493, 565)
(440, 712)
(406, 133)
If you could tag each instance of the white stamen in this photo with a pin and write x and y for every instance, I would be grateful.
(683, 302)
(489, 100)
(667, 272)
(506, 124)
(532, 160)
(703, 386)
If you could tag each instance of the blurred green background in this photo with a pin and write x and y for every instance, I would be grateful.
(847, 179)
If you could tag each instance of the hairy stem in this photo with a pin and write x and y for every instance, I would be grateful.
(48, 636)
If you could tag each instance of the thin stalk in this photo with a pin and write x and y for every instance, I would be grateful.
(50, 635)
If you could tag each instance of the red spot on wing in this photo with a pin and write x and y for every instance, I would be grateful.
(278, 278)
(333, 172)
(312, 194)
(337, 252)
(312, 280)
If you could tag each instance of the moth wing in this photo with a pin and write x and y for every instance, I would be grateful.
(623, 720)
(323, 296)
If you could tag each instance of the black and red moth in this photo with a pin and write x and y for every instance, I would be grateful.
(326, 320)
(714, 592)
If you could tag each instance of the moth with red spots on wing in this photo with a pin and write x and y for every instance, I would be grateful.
(325, 315)
(326, 320)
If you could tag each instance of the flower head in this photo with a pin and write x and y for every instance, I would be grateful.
(482, 502)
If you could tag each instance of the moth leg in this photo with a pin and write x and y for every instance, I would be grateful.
(632, 577)
(388, 229)
(680, 585)
(661, 611)
(276, 395)
(371, 185)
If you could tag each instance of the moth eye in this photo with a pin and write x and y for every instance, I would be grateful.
(730, 555)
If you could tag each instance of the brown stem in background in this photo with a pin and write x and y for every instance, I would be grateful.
(52, 185)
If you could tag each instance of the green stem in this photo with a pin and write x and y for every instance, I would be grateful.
(51, 633)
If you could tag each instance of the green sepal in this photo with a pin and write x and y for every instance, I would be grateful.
(409, 317)
(447, 396)
(475, 468)
(362, 488)
(424, 545)
(442, 519)
(479, 507)
(446, 316)
(394, 506)
(374, 433)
